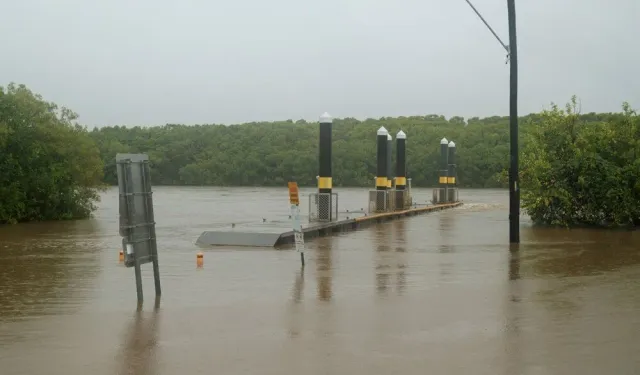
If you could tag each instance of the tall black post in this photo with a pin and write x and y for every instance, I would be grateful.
(389, 166)
(401, 169)
(514, 191)
(381, 171)
(324, 169)
(451, 175)
(444, 170)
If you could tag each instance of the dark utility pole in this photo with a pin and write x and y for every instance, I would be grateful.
(514, 189)
(512, 57)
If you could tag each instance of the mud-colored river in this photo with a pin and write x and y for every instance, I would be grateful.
(434, 294)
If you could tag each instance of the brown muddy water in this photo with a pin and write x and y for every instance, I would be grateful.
(433, 294)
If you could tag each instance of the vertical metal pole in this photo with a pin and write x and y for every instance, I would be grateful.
(444, 170)
(294, 201)
(324, 168)
(138, 281)
(514, 190)
(146, 186)
(381, 169)
(451, 178)
(389, 166)
(390, 200)
(126, 209)
(131, 214)
(401, 169)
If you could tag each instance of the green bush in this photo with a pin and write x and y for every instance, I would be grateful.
(50, 169)
(576, 172)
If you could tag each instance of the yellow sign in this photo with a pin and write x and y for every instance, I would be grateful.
(294, 197)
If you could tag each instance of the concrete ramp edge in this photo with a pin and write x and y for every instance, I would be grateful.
(249, 239)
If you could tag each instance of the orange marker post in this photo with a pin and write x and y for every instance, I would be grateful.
(199, 259)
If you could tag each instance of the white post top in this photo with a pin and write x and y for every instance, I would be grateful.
(444, 141)
(451, 144)
(326, 118)
(382, 131)
(401, 135)
(389, 137)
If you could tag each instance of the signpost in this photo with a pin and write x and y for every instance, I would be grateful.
(137, 225)
(294, 200)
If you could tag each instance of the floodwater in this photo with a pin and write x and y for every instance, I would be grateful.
(439, 293)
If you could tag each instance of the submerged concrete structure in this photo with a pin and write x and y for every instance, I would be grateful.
(270, 236)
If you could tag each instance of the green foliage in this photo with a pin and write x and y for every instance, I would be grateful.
(582, 170)
(50, 169)
(575, 169)
(271, 153)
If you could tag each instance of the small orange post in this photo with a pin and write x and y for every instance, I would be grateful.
(199, 259)
(121, 257)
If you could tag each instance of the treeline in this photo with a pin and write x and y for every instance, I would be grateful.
(50, 169)
(272, 153)
(576, 169)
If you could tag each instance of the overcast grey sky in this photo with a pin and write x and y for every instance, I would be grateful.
(151, 62)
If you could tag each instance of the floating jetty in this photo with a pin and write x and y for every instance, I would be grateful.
(391, 198)
(270, 235)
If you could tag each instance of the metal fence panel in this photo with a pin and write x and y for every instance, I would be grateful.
(323, 207)
(381, 200)
(452, 195)
(442, 195)
(439, 196)
(391, 200)
(403, 200)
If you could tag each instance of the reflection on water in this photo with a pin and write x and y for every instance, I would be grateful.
(563, 302)
(390, 256)
(582, 252)
(446, 243)
(514, 316)
(401, 256)
(298, 286)
(445, 231)
(514, 265)
(138, 354)
(382, 267)
(324, 267)
(295, 308)
(46, 268)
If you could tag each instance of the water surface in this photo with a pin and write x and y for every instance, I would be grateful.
(440, 293)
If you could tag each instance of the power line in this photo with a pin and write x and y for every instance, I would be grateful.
(490, 29)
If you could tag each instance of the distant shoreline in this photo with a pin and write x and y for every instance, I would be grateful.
(311, 187)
